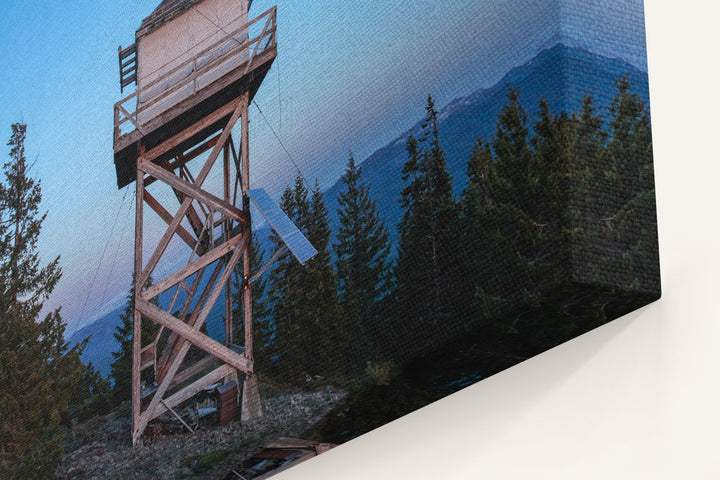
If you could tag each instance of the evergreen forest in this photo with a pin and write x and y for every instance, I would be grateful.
(554, 235)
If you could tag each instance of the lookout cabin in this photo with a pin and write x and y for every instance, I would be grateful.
(190, 59)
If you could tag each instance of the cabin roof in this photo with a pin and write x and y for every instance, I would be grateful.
(166, 11)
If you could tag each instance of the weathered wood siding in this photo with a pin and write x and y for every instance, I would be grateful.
(188, 53)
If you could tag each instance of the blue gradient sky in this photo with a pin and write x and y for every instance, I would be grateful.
(346, 78)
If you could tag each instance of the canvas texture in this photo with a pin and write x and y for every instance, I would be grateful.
(314, 238)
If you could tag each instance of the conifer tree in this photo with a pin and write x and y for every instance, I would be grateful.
(548, 197)
(480, 172)
(39, 372)
(591, 179)
(549, 252)
(513, 153)
(308, 339)
(632, 223)
(511, 227)
(514, 211)
(362, 251)
(327, 353)
(549, 170)
(290, 334)
(93, 395)
(630, 144)
(476, 208)
(121, 367)
(527, 234)
(427, 264)
(590, 171)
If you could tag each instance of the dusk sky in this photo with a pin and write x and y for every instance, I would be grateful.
(346, 78)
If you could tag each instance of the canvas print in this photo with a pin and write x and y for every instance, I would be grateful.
(236, 234)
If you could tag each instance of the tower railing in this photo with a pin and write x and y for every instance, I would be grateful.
(187, 78)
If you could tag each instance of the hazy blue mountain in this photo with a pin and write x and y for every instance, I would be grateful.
(560, 74)
(102, 343)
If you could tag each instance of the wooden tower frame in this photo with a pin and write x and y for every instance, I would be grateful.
(160, 151)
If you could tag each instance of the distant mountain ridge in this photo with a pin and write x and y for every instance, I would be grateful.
(560, 74)
(102, 342)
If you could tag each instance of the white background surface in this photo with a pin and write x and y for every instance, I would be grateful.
(638, 398)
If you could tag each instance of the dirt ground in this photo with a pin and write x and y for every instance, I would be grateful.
(101, 448)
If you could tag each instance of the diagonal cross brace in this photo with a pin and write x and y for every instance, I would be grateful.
(165, 215)
(198, 339)
(240, 107)
(193, 191)
(194, 388)
(193, 267)
(184, 330)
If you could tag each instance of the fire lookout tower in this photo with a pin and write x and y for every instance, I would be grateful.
(197, 65)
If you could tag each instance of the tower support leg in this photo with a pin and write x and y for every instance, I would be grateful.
(251, 408)
(137, 317)
(175, 384)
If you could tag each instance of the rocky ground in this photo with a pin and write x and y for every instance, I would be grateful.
(101, 449)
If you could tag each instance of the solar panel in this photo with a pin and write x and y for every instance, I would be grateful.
(283, 226)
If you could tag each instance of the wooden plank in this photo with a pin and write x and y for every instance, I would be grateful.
(193, 336)
(194, 331)
(192, 267)
(193, 191)
(137, 317)
(130, 118)
(165, 240)
(172, 349)
(167, 217)
(238, 172)
(221, 281)
(196, 128)
(132, 63)
(168, 407)
(193, 370)
(260, 38)
(193, 389)
(195, 222)
(117, 121)
(181, 160)
(196, 193)
(148, 414)
(227, 227)
(251, 407)
(291, 443)
(263, 60)
(129, 50)
(147, 357)
(197, 320)
(247, 293)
